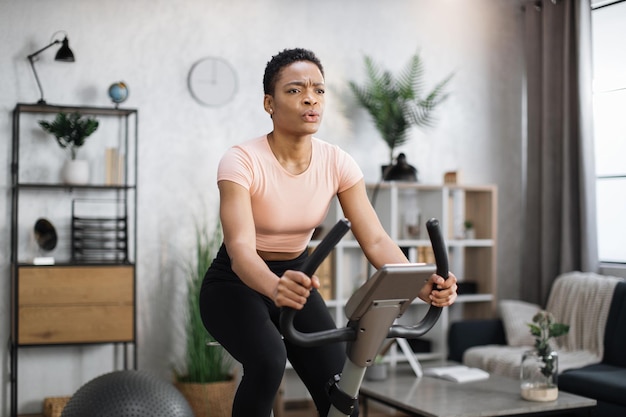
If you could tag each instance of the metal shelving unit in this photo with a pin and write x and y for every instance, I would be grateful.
(95, 290)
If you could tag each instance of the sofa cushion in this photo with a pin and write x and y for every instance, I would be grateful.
(506, 360)
(615, 332)
(465, 334)
(515, 316)
(601, 381)
(496, 359)
(586, 301)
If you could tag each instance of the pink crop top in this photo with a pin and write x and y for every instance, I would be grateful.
(286, 207)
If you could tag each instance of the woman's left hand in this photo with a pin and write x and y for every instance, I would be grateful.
(439, 292)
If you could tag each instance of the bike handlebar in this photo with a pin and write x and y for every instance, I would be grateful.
(441, 260)
(347, 334)
(309, 267)
(325, 247)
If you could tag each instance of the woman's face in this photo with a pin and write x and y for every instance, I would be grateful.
(297, 105)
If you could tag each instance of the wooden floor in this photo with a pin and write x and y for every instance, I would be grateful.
(306, 409)
(301, 409)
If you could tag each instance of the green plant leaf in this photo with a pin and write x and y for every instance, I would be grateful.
(558, 329)
(204, 362)
(534, 330)
(396, 103)
(543, 329)
(70, 130)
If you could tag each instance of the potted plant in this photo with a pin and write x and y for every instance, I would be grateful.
(205, 376)
(397, 103)
(71, 131)
(468, 229)
(539, 369)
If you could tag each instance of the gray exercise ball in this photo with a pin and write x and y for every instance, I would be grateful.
(127, 394)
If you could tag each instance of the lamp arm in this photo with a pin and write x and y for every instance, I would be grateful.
(34, 54)
(32, 65)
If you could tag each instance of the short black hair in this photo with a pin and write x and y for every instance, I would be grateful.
(283, 59)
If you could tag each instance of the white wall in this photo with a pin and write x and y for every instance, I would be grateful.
(152, 44)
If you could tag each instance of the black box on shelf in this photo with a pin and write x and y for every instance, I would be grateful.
(99, 231)
(466, 287)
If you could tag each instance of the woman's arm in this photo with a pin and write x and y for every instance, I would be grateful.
(292, 289)
(380, 249)
(377, 245)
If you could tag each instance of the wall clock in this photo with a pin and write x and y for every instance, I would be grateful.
(212, 81)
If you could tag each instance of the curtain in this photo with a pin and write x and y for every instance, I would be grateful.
(559, 190)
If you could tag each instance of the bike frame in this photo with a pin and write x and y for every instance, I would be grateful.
(371, 311)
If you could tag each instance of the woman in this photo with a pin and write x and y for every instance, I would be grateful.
(274, 190)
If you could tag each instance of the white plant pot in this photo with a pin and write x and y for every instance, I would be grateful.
(376, 372)
(75, 172)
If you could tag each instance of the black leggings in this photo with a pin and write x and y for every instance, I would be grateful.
(246, 324)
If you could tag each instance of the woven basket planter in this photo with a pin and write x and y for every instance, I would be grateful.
(53, 406)
(213, 399)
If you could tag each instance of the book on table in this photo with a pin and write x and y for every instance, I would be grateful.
(457, 373)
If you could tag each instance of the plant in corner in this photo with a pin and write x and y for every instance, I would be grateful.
(205, 377)
(397, 103)
(539, 369)
(71, 131)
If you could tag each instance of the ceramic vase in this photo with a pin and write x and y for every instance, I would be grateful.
(538, 375)
(75, 172)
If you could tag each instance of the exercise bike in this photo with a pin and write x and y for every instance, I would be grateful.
(371, 312)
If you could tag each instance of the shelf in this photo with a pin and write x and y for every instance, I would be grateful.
(471, 243)
(471, 260)
(449, 242)
(74, 264)
(89, 301)
(44, 186)
(474, 298)
(47, 108)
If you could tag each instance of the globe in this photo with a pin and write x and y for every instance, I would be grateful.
(118, 92)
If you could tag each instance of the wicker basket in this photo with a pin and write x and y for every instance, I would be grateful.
(53, 406)
(214, 399)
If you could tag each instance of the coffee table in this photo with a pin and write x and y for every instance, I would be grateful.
(433, 397)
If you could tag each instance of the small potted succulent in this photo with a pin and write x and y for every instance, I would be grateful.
(71, 130)
(539, 369)
(468, 229)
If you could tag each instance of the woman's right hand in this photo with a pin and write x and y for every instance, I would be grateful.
(293, 289)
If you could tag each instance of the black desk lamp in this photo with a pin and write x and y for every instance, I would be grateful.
(64, 54)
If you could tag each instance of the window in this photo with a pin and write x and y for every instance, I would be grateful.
(609, 108)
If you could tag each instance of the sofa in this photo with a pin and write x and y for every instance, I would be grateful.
(592, 356)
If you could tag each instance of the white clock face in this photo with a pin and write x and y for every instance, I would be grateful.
(212, 81)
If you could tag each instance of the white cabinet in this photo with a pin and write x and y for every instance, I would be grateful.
(403, 209)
